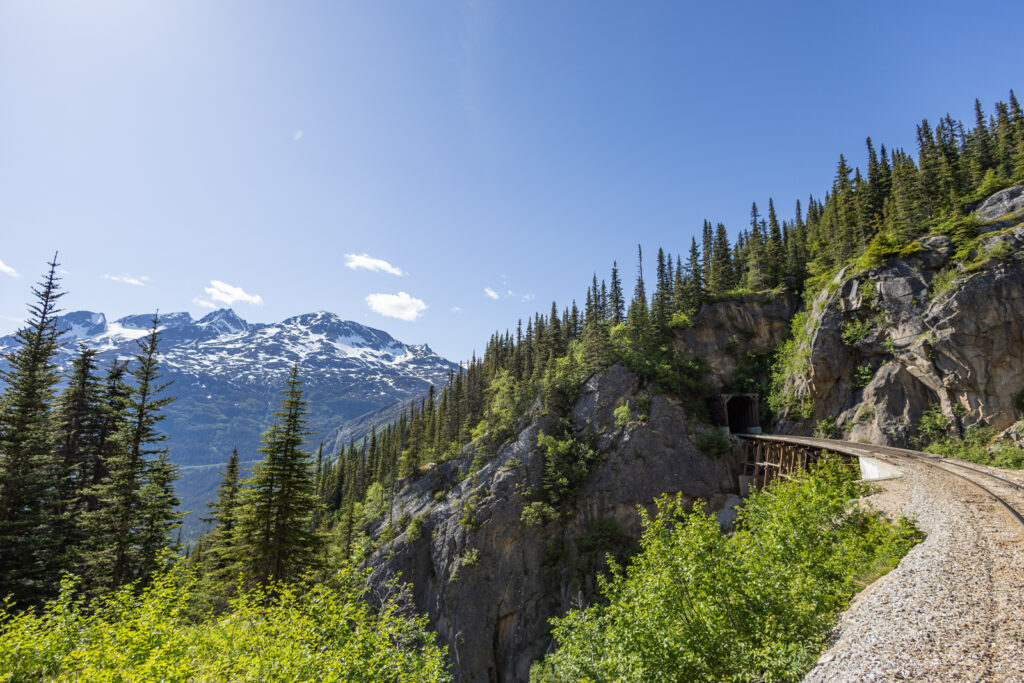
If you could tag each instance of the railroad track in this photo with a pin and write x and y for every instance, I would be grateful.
(891, 454)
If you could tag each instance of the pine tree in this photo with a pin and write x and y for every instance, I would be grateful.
(615, 296)
(79, 449)
(30, 548)
(220, 547)
(135, 512)
(275, 538)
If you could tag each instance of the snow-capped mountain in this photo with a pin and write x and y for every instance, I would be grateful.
(227, 374)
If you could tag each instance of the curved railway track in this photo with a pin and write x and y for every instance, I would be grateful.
(891, 454)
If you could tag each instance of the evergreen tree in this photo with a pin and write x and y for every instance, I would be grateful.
(275, 538)
(615, 296)
(29, 507)
(79, 448)
(219, 544)
(135, 512)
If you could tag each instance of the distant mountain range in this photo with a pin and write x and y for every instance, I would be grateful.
(228, 373)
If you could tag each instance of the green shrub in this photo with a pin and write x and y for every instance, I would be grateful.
(756, 605)
(1018, 402)
(414, 531)
(468, 518)
(622, 416)
(862, 376)
(538, 513)
(976, 447)
(292, 632)
(712, 442)
(826, 428)
(856, 330)
(932, 425)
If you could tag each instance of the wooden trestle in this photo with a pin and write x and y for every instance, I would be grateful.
(770, 460)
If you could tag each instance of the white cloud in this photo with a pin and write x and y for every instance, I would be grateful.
(128, 279)
(401, 305)
(203, 303)
(7, 270)
(528, 297)
(455, 309)
(356, 261)
(491, 293)
(297, 135)
(222, 293)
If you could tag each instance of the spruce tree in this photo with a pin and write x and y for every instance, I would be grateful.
(275, 538)
(30, 547)
(615, 296)
(219, 544)
(79, 449)
(135, 504)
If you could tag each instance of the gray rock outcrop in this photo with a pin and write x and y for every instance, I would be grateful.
(488, 581)
(926, 329)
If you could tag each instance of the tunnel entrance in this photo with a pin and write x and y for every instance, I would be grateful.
(737, 413)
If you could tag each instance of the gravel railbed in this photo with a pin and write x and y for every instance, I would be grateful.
(953, 610)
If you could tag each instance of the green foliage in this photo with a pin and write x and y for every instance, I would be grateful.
(826, 428)
(712, 442)
(538, 513)
(276, 540)
(414, 531)
(754, 605)
(468, 518)
(623, 416)
(792, 360)
(933, 425)
(855, 330)
(294, 632)
(1018, 402)
(977, 446)
(470, 558)
(862, 376)
(567, 462)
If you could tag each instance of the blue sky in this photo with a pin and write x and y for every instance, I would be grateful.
(182, 154)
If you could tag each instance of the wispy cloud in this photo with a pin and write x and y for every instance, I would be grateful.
(491, 293)
(127, 279)
(401, 305)
(222, 293)
(367, 262)
(297, 135)
(455, 309)
(7, 270)
(203, 303)
(528, 297)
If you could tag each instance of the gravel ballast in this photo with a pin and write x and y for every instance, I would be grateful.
(953, 610)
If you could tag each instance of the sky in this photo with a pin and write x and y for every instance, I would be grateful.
(440, 169)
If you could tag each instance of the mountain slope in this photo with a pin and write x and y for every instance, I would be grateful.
(227, 374)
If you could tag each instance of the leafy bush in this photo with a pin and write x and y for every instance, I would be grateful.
(414, 531)
(567, 462)
(932, 426)
(862, 376)
(712, 442)
(307, 632)
(826, 428)
(622, 416)
(855, 330)
(976, 447)
(696, 605)
(538, 513)
(468, 519)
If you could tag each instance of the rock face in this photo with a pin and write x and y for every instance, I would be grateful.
(723, 332)
(488, 581)
(922, 330)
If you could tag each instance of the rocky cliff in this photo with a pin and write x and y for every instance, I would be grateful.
(490, 579)
(942, 324)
